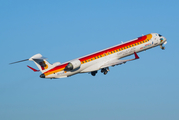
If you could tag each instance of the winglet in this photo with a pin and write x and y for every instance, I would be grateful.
(136, 56)
(33, 69)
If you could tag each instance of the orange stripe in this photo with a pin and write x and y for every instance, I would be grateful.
(125, 45)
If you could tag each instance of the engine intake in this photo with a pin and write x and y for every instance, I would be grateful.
(72, 65)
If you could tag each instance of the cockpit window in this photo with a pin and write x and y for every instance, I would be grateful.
(159, 35)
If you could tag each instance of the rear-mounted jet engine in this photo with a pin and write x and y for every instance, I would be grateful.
(72, 65)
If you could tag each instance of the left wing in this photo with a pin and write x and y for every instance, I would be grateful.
(118, 62)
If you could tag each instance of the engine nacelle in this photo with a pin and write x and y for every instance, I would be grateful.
(74, 64)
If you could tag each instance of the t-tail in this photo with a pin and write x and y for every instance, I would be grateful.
(40, 61)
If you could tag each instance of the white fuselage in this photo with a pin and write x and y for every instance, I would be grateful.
(95, 64)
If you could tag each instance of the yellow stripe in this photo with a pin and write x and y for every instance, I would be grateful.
(55, 71)
(149, 36)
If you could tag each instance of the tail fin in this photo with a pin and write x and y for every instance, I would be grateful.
(41, 62)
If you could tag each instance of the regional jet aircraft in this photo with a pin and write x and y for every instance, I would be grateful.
(100, 60)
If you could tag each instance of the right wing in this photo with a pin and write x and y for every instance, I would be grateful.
(118, 62)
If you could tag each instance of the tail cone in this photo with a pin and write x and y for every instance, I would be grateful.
(42, 76)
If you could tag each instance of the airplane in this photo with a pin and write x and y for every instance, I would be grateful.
(100, 60)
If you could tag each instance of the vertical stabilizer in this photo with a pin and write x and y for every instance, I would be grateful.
(41, 62)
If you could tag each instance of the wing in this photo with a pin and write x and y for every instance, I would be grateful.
(118, 62)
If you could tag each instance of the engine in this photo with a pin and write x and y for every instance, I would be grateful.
(74, 64)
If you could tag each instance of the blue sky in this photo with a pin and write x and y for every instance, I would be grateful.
(144, 89)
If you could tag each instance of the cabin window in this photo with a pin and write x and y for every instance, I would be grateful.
(111, 52)
(116, 50)
(100, 55)
(104, 54)
(88, 60)
(94, 57)
(91, 59)
(135, 43)
(85, 61)
(138, 43)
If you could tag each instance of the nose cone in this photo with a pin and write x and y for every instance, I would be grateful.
(42, 76)
(165, 40)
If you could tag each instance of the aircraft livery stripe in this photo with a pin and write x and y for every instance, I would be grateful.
(102, 53)
(56, 69)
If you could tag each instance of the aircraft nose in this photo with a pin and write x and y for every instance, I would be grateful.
(42, 76)
(164, 41)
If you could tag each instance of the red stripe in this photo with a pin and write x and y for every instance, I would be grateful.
(57, 67)
(102, 52)
(114, 48)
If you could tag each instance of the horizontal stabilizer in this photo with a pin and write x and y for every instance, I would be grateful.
(19, 61)
(33, 69)
(37, 57)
